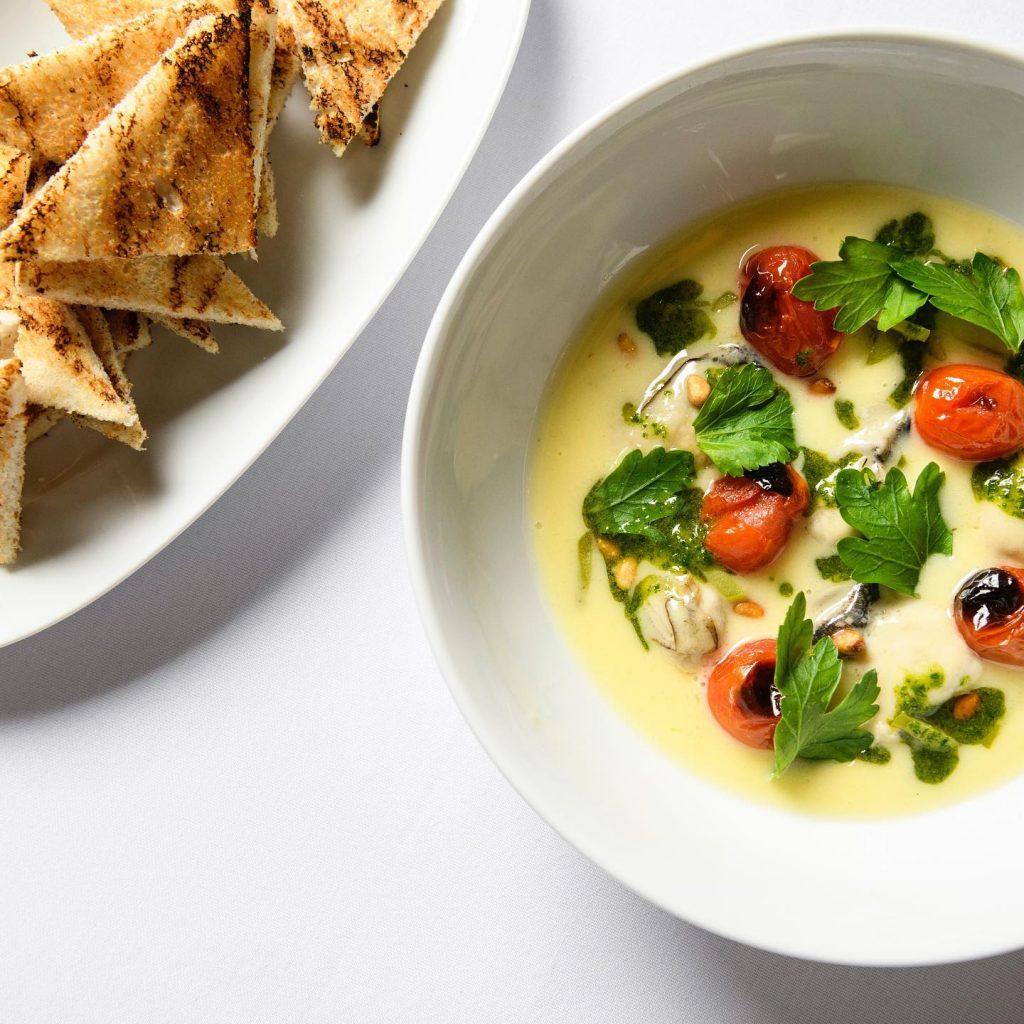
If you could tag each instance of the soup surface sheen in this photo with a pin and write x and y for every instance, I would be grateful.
(582, 435)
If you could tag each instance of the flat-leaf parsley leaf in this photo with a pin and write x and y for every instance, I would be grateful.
(888, 283)
(807, 676)
(900, 530)
(862, 285)
(635, 493)
(989, 295)
(746, 422)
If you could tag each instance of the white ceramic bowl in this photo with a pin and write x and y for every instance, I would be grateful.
(911, 111)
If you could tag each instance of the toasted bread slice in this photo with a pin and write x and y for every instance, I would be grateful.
(49, 104)
(14, 168)
(129, 330)
(13, 423)
(280, 62)
(196, 331)
(198, 287)
(350, 51)
(61, 368)
(96, 326)
(169, 172)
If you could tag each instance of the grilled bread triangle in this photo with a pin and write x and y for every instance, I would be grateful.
(60, 366)
(197, 287)
(49, 104)
(170, 170)
(96, 326)
(350, 51)
(145, 284)
(270, 85)
(13, 423)
(128, 332)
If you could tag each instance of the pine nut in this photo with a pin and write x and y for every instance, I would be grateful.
(748, 609)
(625, 573)
(848, 642)
(697, 390)
(627, 346)
(966, 706)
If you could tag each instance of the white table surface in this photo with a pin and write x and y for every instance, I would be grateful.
(236, 789)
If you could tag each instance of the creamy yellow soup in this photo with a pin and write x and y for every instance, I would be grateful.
(582, 435)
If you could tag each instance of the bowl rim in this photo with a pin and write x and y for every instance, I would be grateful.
(415, 515)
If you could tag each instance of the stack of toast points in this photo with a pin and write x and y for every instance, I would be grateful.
(132, 161)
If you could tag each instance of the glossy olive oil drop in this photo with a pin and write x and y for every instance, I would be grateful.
(589, 423)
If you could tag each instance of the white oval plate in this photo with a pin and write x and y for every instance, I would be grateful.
(96, 511)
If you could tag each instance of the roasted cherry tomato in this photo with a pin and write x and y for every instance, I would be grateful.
(794, 335)
(742, 694)
(970, 412)
(751, 516)
(989, 612)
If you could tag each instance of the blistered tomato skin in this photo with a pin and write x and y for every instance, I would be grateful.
(751, 517)
(989, 612)
(792, 334)
(742, 694)
(970, 412)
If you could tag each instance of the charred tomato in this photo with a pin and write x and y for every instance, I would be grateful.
(742, 693)
(791, 333)
(750, 517)
(970, 412)
(989, 612)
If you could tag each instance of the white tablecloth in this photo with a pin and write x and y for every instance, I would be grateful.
(236, 789)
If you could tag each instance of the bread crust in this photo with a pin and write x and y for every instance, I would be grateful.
(194, 287)
(13, 441)
(350, 50)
